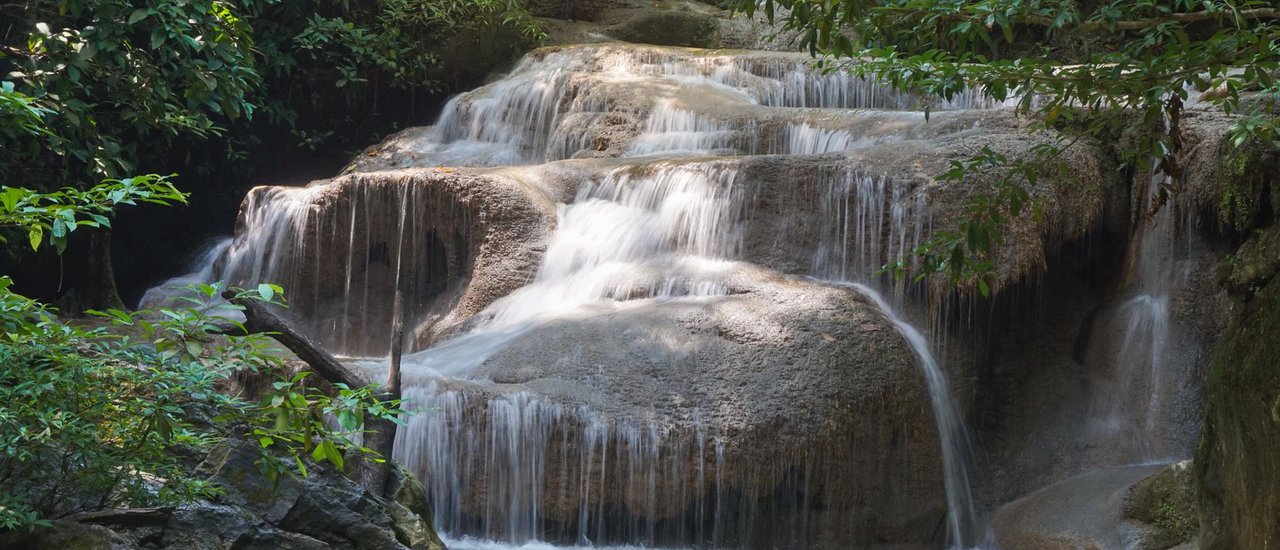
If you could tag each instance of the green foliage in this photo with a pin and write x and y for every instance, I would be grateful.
(1070, 65)
(300, 424)
(57, 214)
(113, 76)
(112, 415)
(90, 419)
(20, 116)
(290, 421)
(96, 89)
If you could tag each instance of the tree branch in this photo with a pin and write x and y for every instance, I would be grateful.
(258, 318)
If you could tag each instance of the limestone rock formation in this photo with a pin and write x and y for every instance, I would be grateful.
(452, 242)
(767, 417)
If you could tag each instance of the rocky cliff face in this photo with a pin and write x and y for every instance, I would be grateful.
(1238, 472)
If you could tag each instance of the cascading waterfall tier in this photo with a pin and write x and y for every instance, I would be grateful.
(518, 464)
(614, 347)
(611, 100)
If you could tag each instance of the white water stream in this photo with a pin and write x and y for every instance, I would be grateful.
(661, 231)
(1128, 411)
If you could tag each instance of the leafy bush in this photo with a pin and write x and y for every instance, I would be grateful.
(113, 416)
(118, 76)
(309, 420)
(88, 420)
(113, 413)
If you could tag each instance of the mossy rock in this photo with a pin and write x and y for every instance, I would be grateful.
(669, 28)
(1254, 263)
(1167, 502)
(63, 535)
(1246, 180)
(413, 528)
(1237, 462)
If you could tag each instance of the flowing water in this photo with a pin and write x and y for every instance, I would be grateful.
(1128, 411)
(867, 222)
(956, 447)
(508, 468)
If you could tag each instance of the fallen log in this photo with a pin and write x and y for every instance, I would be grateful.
(260, 319)
(379, 434)
(127, 517)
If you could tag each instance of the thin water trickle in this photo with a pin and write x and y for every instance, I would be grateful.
(1129, 407)
(956, 447)
(867, 222)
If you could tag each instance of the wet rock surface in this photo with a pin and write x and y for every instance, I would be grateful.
(322, 511)
(1083, 512)
(779, 410)
(451, 242)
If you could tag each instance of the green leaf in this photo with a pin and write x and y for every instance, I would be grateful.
(10, 197)
(36, 236)
(266, 291)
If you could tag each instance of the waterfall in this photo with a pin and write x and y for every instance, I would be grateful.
(526, 441)
(664, 226)
(203, 268)
(956, 448)
(1129, 407)
(869, 221)
(542, 110)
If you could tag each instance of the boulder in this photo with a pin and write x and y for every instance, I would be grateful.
(669, 28)
(1166, 502)
(451, 241)
(322, 511)
(768, 417)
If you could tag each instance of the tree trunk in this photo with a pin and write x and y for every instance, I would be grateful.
(380, 434)
(98, 280)
(78, 279)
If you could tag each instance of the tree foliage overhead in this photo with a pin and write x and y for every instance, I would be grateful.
(121, 83)
(116, 77)
(1072, 65)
